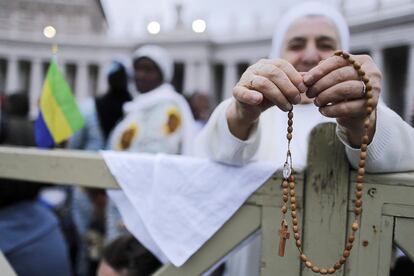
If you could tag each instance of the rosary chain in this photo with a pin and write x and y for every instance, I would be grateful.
(288, 184)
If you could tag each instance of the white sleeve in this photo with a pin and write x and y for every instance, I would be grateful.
(392, 148)
(216, 141)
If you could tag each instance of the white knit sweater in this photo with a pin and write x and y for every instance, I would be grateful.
(391, 150)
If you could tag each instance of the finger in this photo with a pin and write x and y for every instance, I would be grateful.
(271, 92)
(281, 80)
(294, 76)
(355, 108)
(247, 96)
(325, 67)
(344, 91)
(334, 77)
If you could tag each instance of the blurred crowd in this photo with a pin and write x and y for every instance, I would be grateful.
(66, 230)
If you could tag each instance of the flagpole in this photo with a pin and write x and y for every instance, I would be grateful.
(55, 49)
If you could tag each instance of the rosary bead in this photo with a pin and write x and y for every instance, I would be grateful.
(348, 247)
(289, 136)
(370, 102)
(298, 243)
(295, 221)
(284, 209)
(369, 110)
(359, 186)
(345, 55)
(365, 139)
(361, 73)
(358, 203)
(337, 265)
(369, 94)
(285, 191)
(365, 80)
(297, 236)
(293, 213)
(360, 179)
(285, 184)
(357, 66)
(367, 123)
(303, 258)
(290, 122)
(290, 129)
(292, 192)
(358, 194)
(308, 264)
(368, 87)
(351, 238)
(295, 228)
(338, 53)
(331, 270)
(361, 163)
(290, 115)
(293, 207)
(285, 198)
(316, 269)
(292, 185)
(364, 147)
(362, 155)
(324, 271)
(293, 199)
(361, 171)
(355, 226)
(342, 260)
(292, 178)
(346, 253)
(357, 211)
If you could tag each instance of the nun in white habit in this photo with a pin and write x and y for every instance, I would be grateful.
(252, 125)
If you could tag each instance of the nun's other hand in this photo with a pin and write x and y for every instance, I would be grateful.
(339, 93)
(267, 83)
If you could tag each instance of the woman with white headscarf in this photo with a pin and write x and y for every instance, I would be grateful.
(157, 120)
(302, 71)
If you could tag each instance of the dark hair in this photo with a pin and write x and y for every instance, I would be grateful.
(126, 253)
(17, 104)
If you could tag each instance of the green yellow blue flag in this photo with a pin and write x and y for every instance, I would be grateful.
(59, 116)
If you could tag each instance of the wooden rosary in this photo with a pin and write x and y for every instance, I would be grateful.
(288, 184)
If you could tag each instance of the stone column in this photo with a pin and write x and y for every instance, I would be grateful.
(204, 82)
(378, 57)
(102, 78)
(230, 78)
(197, 77)
(36, 84)
(12, 81)
(409, 89)
(81, 81)
(190, 77)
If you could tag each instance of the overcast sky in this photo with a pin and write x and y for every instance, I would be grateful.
(223, 17)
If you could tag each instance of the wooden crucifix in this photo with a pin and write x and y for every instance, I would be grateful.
(284, 235)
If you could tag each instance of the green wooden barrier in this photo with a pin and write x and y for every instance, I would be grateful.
(324, 199)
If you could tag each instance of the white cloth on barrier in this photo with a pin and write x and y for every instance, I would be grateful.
(173, 204)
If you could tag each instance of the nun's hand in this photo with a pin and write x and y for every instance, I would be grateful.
(264, 84)
(339, 93)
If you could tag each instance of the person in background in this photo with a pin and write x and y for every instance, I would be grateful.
(200, 106)
(158, 120)
(89, 204)
(125, 256)
(31, 238)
